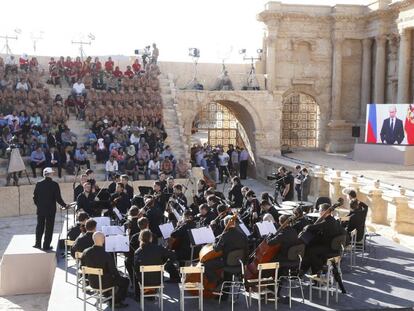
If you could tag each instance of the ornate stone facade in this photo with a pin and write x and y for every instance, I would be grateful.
(344, 56)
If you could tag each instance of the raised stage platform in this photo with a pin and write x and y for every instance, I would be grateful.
(27, 270)
(395, 154)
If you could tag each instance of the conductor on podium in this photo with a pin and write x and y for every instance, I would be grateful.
(45, 197)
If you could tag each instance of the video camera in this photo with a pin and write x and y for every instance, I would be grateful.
(278, 178)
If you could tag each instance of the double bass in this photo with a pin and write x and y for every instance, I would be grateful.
(264, 253)
(207, 253)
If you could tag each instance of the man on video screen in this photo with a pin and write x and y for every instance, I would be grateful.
(392, 129)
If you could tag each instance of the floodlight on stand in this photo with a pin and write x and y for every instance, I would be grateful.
(6, 38)
(194, 53)
(35, 38)
(251, 84)
(81, 43)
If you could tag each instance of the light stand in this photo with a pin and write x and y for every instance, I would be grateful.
(35, 39)
(82, 43)
(251, 83)
(6, 46)
(194, 84)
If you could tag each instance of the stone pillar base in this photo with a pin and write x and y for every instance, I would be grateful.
(339, 136)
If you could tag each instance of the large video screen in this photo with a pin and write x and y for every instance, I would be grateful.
(390, 124)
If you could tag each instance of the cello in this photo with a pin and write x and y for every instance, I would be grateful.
(207, 253)
(264, 253)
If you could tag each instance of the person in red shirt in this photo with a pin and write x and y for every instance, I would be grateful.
(129, 73)
(52, 63)
(136, 66)
(117, 72)
(78, 63)
(109, 65)
(24, 62)
(33, 64)
(98, 65)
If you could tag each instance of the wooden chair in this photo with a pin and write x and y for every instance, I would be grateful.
(152, 291)
(326, 281)
(68, 245)
(194, 286)
(262, 283)
(79, 278)
(97, 293)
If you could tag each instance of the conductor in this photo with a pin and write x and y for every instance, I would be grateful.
(45, 196)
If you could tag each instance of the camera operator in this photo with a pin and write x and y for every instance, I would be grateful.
(13, 172)
(288, 184)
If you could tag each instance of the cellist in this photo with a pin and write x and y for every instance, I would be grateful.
(230, 240)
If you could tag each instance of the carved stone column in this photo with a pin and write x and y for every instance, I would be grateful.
(334, 180)
(404, 66)
(271, 41)
(319, 186)
(377, 206)
(400, 215)
(366, 76)
(337, 78)
(380, 63)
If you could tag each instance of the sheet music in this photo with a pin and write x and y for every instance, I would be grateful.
(117, 243)
(117, 213)
(102, 221)
(113, 230)
(265, 227)
(244, 229)
(166, 230)
(203, 235)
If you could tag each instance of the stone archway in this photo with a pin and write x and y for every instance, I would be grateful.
(300, 121)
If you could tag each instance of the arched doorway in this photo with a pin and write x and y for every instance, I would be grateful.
(300, 121)
(217, 123)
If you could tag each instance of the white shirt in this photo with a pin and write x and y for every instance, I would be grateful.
(153, 166)
(22, 85)
(223, 159)
(134, 139)
(392, 121)
(79, 87)
(111, 166)
(235, 157)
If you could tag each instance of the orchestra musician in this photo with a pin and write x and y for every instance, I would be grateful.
(199, 198)
(251, 211)
(300, 220)
(163, 180)
(152, 254)
(131, 225)
(121, 199)
(84, 240)
(169, 188)
(206, 216)
(179, 195)
(267, 208)
(79, 228)
(79, 188)
(90, 176)
(213, 202)
(86, 201)
(286, 238)
(128, 189)
(158, 194)
(116, 178)
(181, 234)
(357, 217)
(230, 240)
(217, 224)
(96, 257)
(133, 230)
(325, 231)
(235, 193)
(154, 214)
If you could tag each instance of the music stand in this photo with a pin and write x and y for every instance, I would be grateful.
(144, 190)
(200, 236)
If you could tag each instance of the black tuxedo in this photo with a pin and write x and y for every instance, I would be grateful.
(236, 196)
(45, 196)
(388, 135)
(286, 238)
(82, 242)
(182, 234)
(86, 203)
(97, 257)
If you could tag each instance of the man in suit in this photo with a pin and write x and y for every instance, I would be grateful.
(45, 196)
(357, 215)
(392, 129)
(181, 233)
(84, 241)
(96, 257)
(86, 199)
(320, 246)
(306, 184)
(53, 160)
(128, 189)
(235, 194)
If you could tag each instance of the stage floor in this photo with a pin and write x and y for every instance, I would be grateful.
(384, 280)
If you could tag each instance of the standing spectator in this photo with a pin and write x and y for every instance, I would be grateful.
(37, 160)
(111, 167)
(155, 53)
(298, 182)
(223, 158)
(81, 157)
(235, 161)
(244, 161)
(306, 184)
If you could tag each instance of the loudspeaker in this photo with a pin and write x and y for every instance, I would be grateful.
(356, 131)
